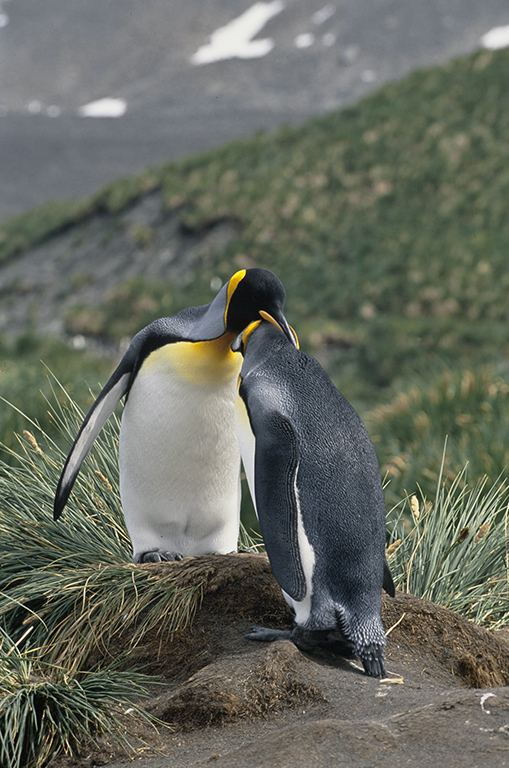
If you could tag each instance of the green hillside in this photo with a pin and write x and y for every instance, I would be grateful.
(388, 224)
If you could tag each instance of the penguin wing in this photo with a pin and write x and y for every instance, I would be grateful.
(277, 502)
(95, 419)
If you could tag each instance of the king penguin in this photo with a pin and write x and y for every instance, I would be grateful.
(179, 459)
(315, 483)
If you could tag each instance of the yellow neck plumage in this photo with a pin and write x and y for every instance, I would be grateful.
(206, 363)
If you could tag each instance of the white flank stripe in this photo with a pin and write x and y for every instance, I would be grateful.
(235, 40)
(307, 558)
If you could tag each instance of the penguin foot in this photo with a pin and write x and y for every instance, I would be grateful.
(266, 635)
(373, 660)
(157, 556)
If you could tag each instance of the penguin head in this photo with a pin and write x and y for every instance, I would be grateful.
(253, 294)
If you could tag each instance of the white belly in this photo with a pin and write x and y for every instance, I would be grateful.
(180, 463)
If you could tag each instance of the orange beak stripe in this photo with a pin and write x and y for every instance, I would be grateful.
(270, 319)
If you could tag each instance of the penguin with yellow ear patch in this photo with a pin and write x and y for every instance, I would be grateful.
(178, 453)
(316, 486)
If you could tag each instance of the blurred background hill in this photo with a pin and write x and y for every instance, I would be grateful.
(138, 61)
(384, 213)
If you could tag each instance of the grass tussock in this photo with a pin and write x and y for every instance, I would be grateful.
(454, 550)
(46, 710)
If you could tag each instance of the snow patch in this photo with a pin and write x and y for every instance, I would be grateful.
(323, 15)
(368, 76)
(235, 40)
(104, 108)
(496, 38)
(305, 40)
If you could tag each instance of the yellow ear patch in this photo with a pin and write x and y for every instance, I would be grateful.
(205, 363)
(232, 286)
(249, 330)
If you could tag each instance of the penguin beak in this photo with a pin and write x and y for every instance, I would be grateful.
(283, 326)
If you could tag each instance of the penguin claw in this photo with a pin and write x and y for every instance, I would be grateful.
(157, 556)
(373, 661)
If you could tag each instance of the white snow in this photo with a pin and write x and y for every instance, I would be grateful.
(368, 76)
(235, 40)
(107, 107)
(329, 39)
(34, 107)
(496, 38)
(323, 14)
(305, 40)
(4, 19)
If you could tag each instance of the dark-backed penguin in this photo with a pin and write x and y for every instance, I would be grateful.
(316, 486)
(179, 458)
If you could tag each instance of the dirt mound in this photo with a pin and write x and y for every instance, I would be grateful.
(265, 680)
(233, 702)
(446, 640)
(239, 590)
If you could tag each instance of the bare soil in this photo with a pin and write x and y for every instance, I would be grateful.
(232, 702)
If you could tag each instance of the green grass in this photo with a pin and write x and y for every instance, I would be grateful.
(24, 381)
(468, 407)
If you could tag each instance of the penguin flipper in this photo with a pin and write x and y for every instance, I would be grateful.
(388, 583)
(277, 503)
(95, 419)
(266, 635)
